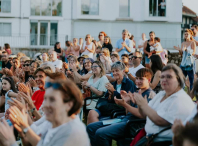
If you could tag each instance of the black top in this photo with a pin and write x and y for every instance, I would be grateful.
(148, 47)
(8, 65)
(109, 46)
(57, 50)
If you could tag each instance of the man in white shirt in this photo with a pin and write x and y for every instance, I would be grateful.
(141, 43)
(136, 59)
(55, 61)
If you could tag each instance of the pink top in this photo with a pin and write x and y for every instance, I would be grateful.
(76, 53)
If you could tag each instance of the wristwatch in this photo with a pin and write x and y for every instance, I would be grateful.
(25, 130)
(32, 110)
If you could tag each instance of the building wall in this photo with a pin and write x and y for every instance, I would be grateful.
(73, 24)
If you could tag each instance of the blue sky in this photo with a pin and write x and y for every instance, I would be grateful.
(192, 4)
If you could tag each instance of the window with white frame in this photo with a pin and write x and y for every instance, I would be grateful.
(43, 33)
(5, 29)
(90, 7)
(157, 8)
(5, 6)
(124, 10)
(46, 7)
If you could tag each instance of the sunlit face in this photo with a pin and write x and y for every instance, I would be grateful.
(136, 58)
(33, 67)
(87, 64)
(40, 79)
(130, 59)
(186, 35)
(142, 82)
(44, 57)
(106, 40)
(125, 35)
(75, 41)
(95, 68)
(117, 73)
(26, 67)
(88, 38)
(72, 60)
(169, 80)
(125, 59)
(53, 105)
(101, 36)
(6, 85)
(114, 59)
(58, 46)
(16, 63)
(4, 57)
(152, 36)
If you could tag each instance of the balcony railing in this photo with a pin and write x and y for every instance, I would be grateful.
(32, 41)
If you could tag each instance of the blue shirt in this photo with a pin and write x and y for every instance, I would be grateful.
(128, 42)
(129, 116)
(127, 85)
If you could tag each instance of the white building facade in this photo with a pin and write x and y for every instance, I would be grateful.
(41, 23)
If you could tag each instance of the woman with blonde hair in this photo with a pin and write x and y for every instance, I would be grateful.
(88, 47)
(188, 48)
(106, 60)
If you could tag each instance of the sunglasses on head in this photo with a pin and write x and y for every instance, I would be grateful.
(53, 85)
(26, 65)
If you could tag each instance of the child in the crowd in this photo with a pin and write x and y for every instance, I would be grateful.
(98, 51)
(157, 47)
(8, 90)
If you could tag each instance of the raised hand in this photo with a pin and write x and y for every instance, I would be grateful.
(19, 104)
(32, 82)
(23, 88)
(140, 101)
(125, 96)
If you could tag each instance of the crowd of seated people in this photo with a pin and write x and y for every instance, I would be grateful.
(92, 94)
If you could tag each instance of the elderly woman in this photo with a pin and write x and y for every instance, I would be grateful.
(114, 89)
(168, 105)
(96, 83)
(62, 100)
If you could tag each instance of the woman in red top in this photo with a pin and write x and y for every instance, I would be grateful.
(38, 96)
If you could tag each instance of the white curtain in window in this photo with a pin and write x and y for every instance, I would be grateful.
(6, 5)
(124, 8)
(7, 29)
(94, 7)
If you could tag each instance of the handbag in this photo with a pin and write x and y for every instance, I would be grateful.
(148, 140)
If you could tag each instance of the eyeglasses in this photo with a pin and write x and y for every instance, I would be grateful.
(130, 58)
(53, 85)
(26, 65)
(93, 67)
(167, 77)
(135, 57)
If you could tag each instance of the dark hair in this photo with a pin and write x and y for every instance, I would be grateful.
(156, 63)
(144, 72)
(157, 39)
(55, 46)
(4, 52)
(151, 32)
(99, 48)
(68, 43)
(84, 70)
(11, 81)
(33, 61)
(45, 71)
(178, 72)
(125, 55)
(190, 132)
(7, 46)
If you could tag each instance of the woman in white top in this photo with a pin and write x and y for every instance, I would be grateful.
(62, 101)
(168, 105)
(96, 83)
(88, 47)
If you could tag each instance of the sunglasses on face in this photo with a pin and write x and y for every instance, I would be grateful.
(26, 65)
(53, 85)
(93, 67)
(135, 57)
(130, 58)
